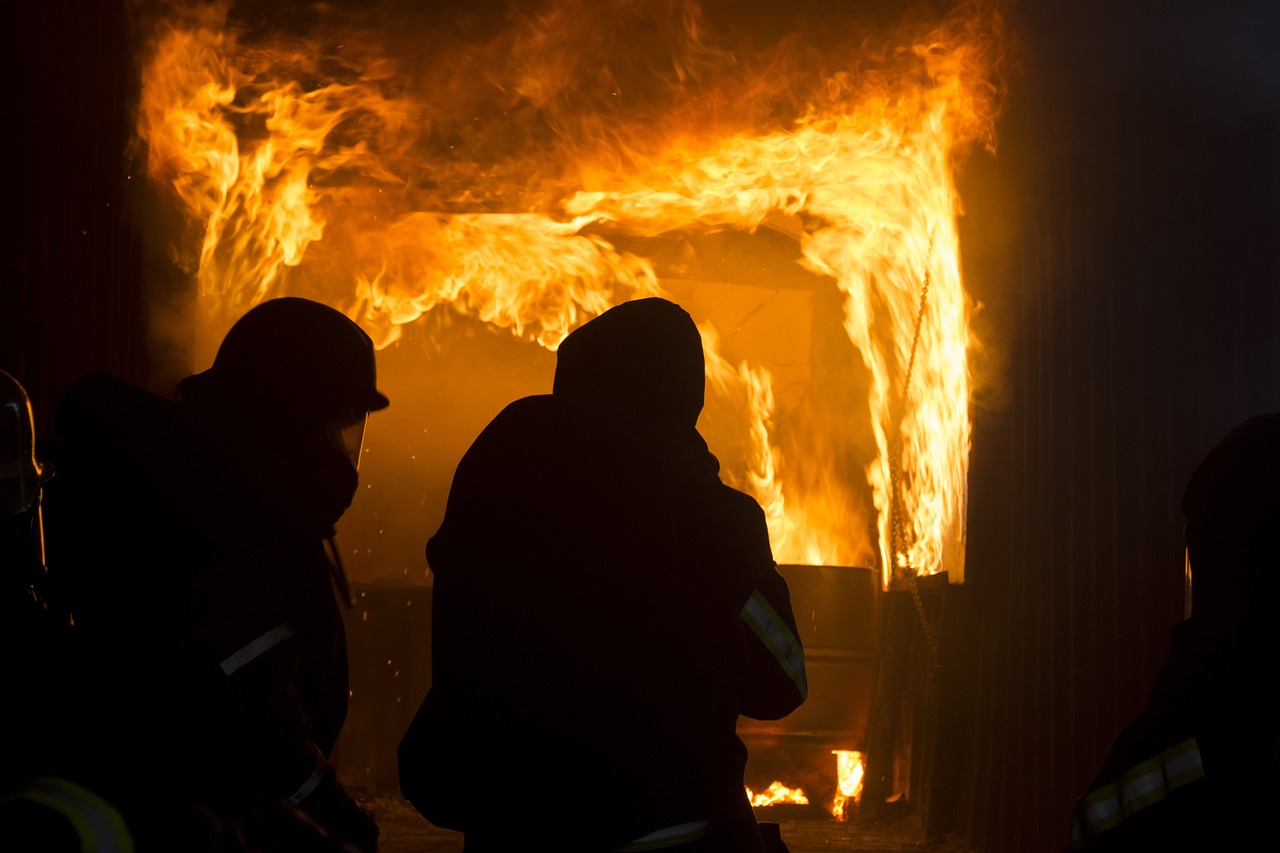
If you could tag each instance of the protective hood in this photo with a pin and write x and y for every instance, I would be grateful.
(1236, 482)
(639, 363)
(1232, 507)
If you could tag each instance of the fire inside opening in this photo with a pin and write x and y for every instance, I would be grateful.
(472, 185)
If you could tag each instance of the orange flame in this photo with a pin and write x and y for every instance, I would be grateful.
(849, 772)
(529, 176)
(777, 793)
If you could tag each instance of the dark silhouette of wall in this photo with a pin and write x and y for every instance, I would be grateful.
(1124, 246)
(72, 298)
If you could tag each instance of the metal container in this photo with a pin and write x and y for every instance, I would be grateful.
(837, 612)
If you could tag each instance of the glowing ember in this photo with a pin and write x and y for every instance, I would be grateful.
(532, 177)
(849, 772)
(777, 793)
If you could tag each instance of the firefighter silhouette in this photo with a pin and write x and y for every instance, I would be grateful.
(1199, 768)
(604, 608)
(194, 540)
(40, 809)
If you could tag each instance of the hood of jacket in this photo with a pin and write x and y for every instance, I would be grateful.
(640, 362)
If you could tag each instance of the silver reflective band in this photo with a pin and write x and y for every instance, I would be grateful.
(1142, 786)
(1182, 763)
(777, 637)
(1102, 809)
(274, 637)
(305, 789)
(669, 837)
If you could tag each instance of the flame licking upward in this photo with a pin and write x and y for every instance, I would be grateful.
(527, 172)
(849, 773)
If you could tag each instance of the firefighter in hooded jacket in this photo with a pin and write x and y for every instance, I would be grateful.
(1199, 767)
(193, 542)
(604, 608)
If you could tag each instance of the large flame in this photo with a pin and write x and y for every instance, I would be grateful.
(849, 773)
(528, 173)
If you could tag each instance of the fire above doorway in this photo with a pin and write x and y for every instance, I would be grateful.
(470, 182)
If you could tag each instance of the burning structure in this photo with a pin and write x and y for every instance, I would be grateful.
(1121, 238)
(470, 184)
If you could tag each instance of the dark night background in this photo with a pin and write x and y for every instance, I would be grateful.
(1122, 242)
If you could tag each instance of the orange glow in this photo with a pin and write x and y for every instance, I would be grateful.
(526, 180)
(777, 793)
(849, 772)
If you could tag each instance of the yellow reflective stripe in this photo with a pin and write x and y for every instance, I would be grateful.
(1182, 764)
(1142, 785)
(669, 837)
(313, 781)
(1101, 809)
(765, 622)
(256, 648)
(100, 828)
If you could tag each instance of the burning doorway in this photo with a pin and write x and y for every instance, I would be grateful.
(472, 181)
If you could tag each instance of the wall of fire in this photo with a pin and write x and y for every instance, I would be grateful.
(1119, 241)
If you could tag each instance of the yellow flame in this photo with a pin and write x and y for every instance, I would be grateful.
(849, 772)
(516, 177)
(777, 793)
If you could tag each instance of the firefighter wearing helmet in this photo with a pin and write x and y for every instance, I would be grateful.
(36, 802)
(194, 539)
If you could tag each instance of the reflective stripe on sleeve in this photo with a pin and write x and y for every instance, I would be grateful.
(96, 823)
(765, 622)
(1101, 809)
(669, 837)
(1142, 785)
(1182, 764)
(305, 789)
(258, 647)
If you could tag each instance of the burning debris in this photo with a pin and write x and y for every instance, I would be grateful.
(777, 793)
(849, 771)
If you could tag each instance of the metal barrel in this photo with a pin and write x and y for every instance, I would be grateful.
(836, 610)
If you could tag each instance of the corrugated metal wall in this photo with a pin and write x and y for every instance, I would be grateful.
(1136, 296)
(72, 290)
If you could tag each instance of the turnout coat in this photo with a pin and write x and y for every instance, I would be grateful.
(604, 609)
(209, 660)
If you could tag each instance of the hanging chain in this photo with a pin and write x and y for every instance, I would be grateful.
(898, 522)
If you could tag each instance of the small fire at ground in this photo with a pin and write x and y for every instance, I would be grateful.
(777, 793)
(849, 772)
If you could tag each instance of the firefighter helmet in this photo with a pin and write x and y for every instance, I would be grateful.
(295, 352)
(20, 471)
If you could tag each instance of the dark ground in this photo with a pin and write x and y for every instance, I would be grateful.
(405, 831)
